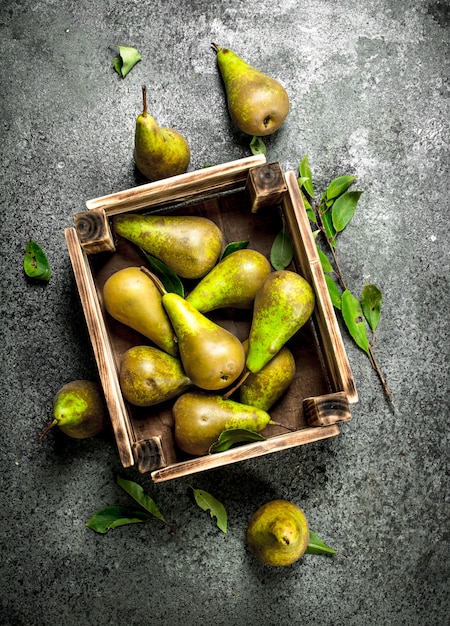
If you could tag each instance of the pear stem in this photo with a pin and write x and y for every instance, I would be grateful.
(291, 428)
(235, 387)
(45, 431)
(216, 47)
(144, 99)
(155, 279)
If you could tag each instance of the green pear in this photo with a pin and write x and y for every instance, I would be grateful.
(150, 376)
(233, 282)
(265, 387)
(283, 304)
(133, 299)
(257, 103)
(78, 410)
(158, 152)
(200, 418)
(189, 244)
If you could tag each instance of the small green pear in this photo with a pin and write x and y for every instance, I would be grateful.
(78, 410)
(189, 244)
(283, 304)
(257, 103)
(133, 299)
(233, 282)
(201, 417)
(265, 387)
(158, 152)
(149, 376)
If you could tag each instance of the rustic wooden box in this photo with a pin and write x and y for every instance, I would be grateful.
(248, 199)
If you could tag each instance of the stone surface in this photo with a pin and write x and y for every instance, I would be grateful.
(368, 83)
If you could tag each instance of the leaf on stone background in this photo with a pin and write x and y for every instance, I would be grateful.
(127, 59)
(344, 208)
(281, 253)
(137, 492)
(167, 276)
(328, 225)
(257, 146)
(233, 246)
(317, 546)
(35, 263)
(115, 516)
(306, 176)
(338, 186)
(233, 436)
(207, 502)
(355, 321)
(371, 299)
(334, 292)
(324, 261)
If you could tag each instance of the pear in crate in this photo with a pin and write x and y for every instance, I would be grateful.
(132, 298)
(158, 152)
(189, 244)
(233, 282)
(283, 304)
(149, 376)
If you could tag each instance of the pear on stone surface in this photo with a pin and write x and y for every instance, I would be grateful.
(79, 410)
(189, 244)
(133, 299)
(283, 304)
(278, 533)
(158, 152)
(233, 282)
(201, 417)
(149, 376)
(265, 387)
(257, 103)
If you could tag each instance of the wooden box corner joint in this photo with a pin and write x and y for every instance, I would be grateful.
(265, 185)
(327, 409)
(94, 232)
(149, 454)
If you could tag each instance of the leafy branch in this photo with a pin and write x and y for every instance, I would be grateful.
(330, 215)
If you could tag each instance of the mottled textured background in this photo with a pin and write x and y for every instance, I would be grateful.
(368, 83)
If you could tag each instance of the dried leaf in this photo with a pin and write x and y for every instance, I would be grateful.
(281, 253)
(344, 208)
(338, 186)
(127, 59)
(371, 299)
(257, 146)
(334, 292)
(233, 246)
(115, 516)
(207, 502)
(305, 174)
(167, 276)
(230, 437)
(35, 263)
(317, 546)
(355, 321)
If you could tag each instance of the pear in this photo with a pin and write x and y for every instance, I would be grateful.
(133, 299)
(278, 533)
(257, 103)
(283, 304)
(201, 417)
(233, 282)
(189, 244)
(265, 387)
(78, 410)
(158, 152)
(149, 376)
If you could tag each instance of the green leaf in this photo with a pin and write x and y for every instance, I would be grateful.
(114, 516)
(338, 186)
(326, 265)
(355, 321)
(330, 231)
(371, 299)
(136, 492)
(344, 209)
(305, 174)
(127, 59)
(228, 438)
(257, 146)
(281, 253)
(334, 292)
(317, 546)
(233, 247)
(35, 263)
(207, 502)
(167, 276)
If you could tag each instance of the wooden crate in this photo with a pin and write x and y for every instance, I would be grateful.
(249, 199)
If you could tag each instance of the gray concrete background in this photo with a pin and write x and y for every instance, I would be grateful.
(368, 83)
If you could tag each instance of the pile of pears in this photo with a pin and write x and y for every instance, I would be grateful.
(213, 380)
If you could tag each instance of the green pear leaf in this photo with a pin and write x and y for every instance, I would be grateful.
(338, 186)
(137, 492)
(127, 59)
(344, 209)
(334, 292)
(257, 146)
(371, 299)
(207, 502)
(35, 263)
(115, 516)
(306, 176)
(355, 321)
(317, 546)
(281, 253)
(233, 246)
(328, 225)
(228, 438)
(326, 265)
(167, 276)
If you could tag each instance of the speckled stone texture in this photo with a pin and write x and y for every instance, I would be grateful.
(368, 83)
